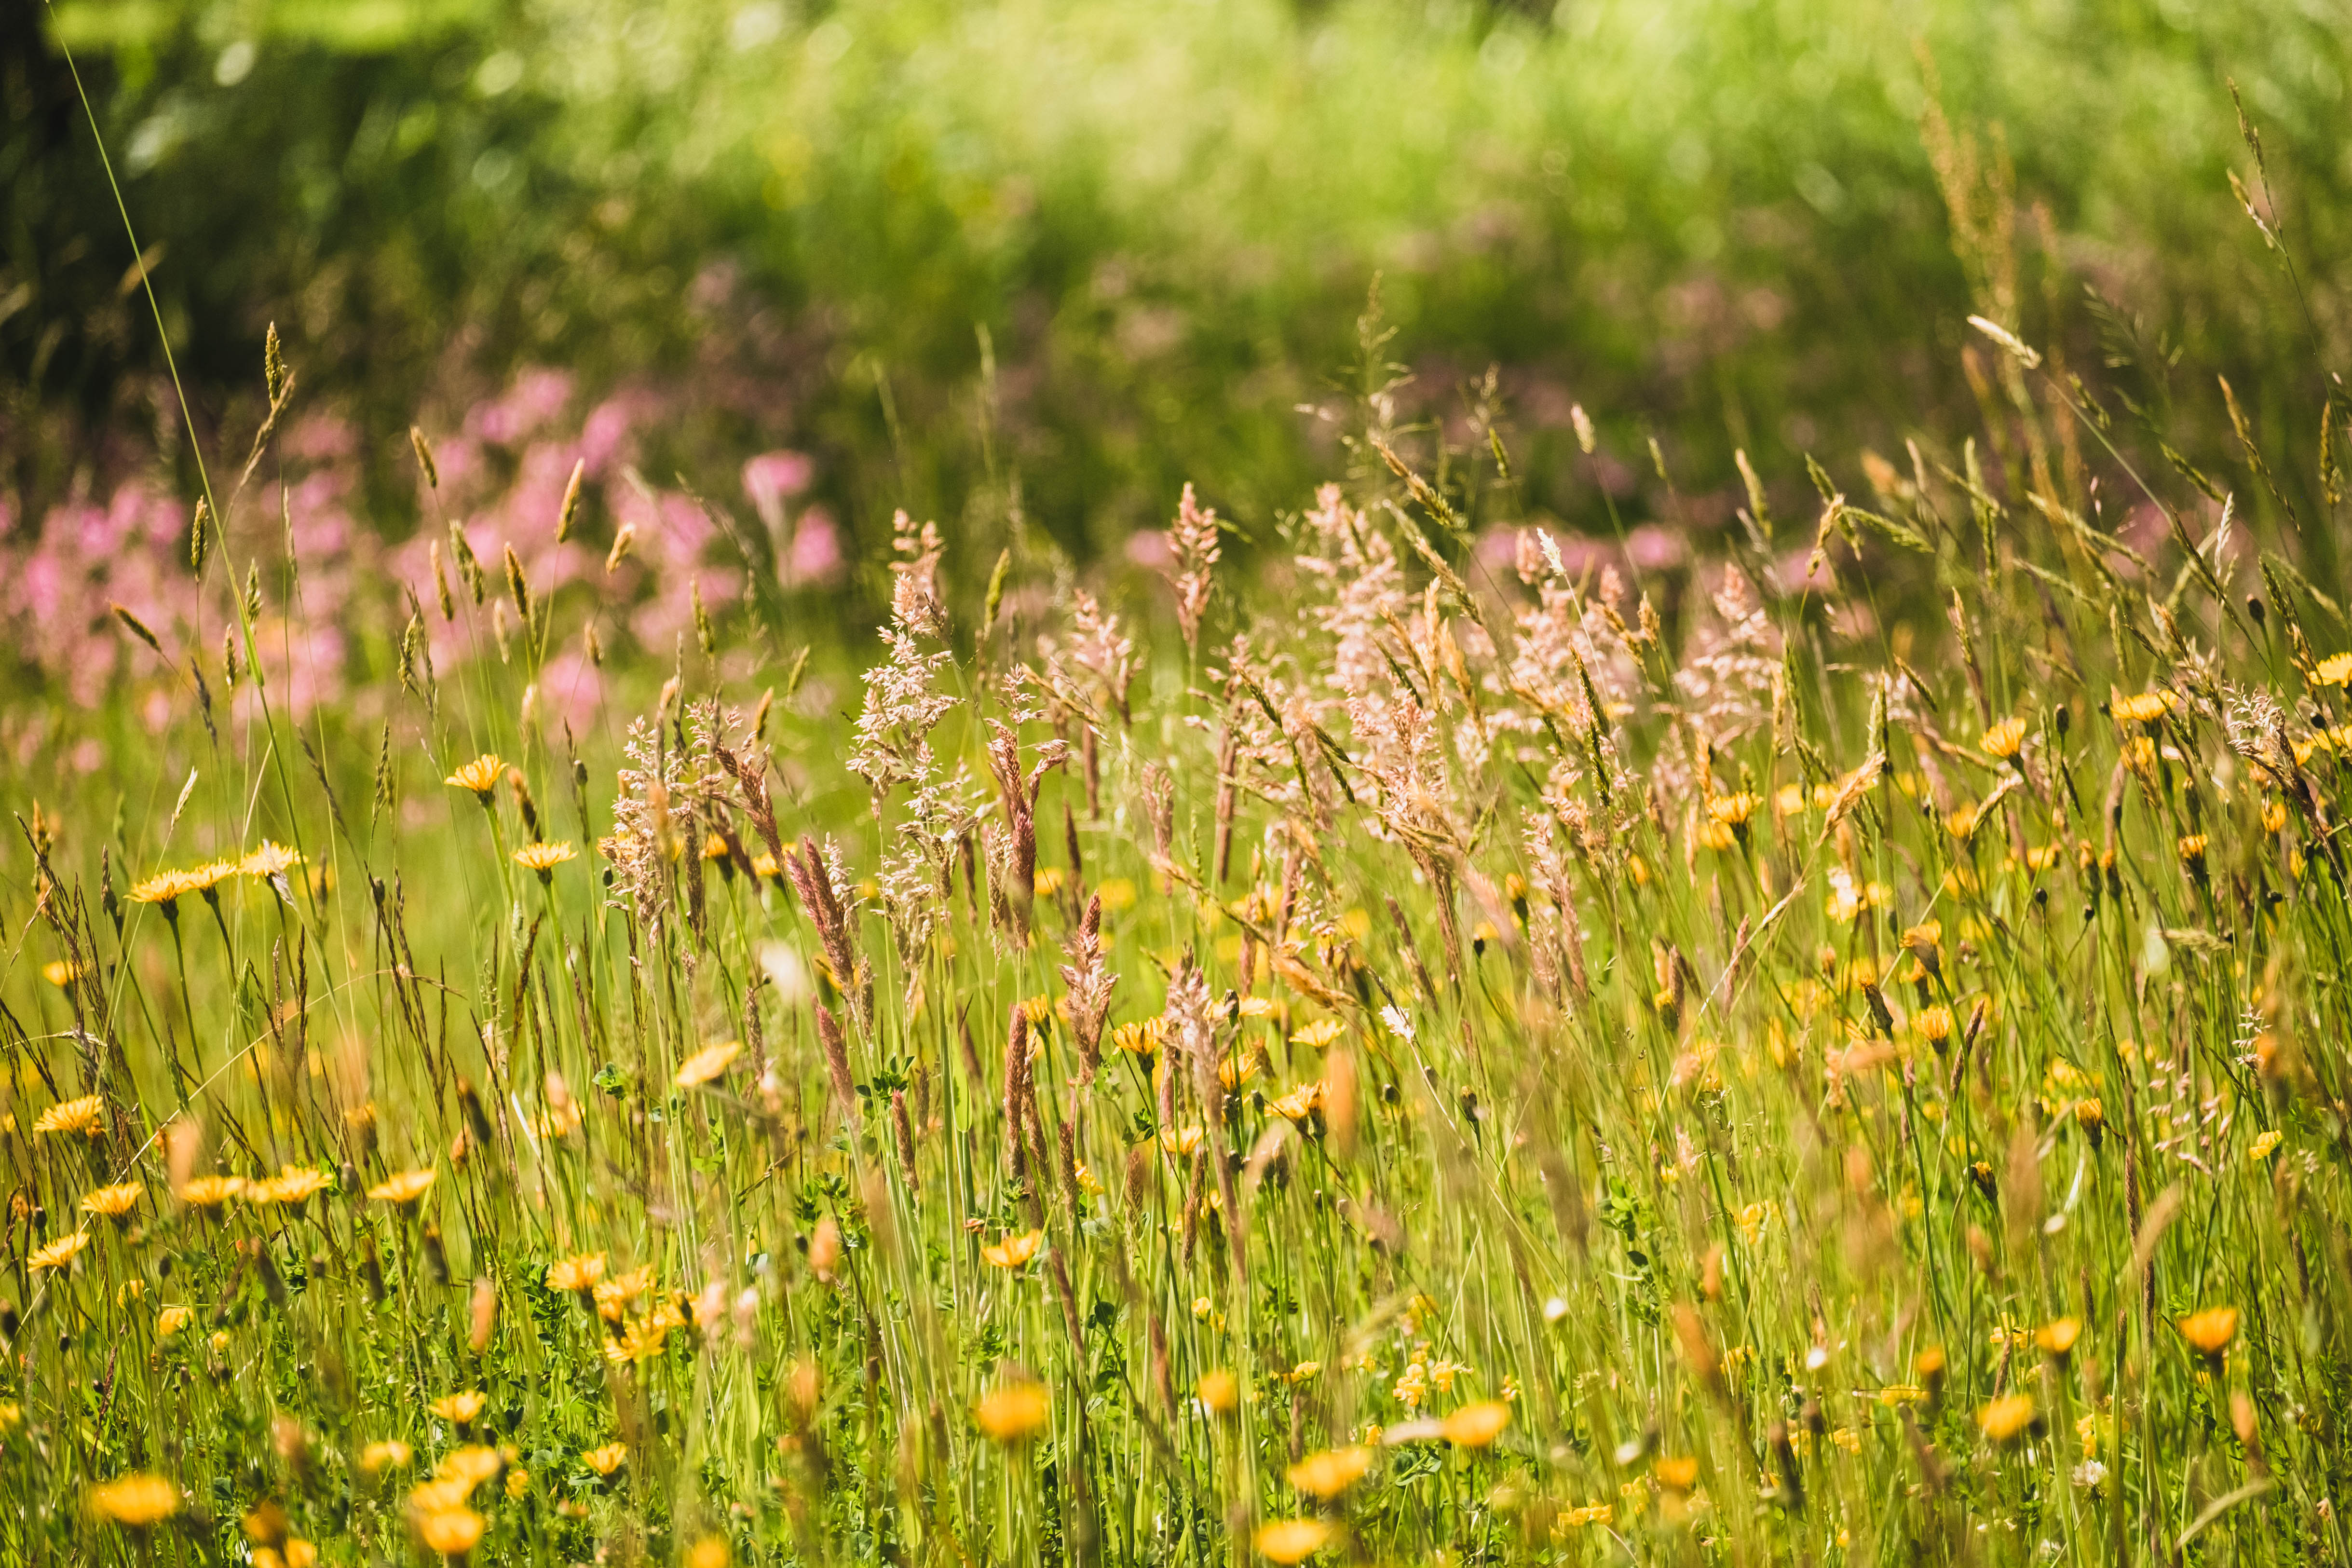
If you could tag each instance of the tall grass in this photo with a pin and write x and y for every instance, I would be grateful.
(1482, 1048)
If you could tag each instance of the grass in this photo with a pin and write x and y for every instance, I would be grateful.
(1831, 1051)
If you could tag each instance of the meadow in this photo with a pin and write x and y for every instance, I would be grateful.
(1452, 917)
(1463, 1048)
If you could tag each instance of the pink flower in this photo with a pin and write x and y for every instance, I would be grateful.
(772, 478)
(815, 558)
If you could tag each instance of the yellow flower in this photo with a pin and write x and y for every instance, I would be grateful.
(545, 857)
(1255, 1008)
(111, 1202)
(707, 1064)
(471, 1465)
(86, 1116)
(1220, 1392)
(211, 1191)
(1319, 1034)
(291, 1187)
(204, 878)
(170, 1321)
(1676, 1472)
(1183, 1140)
(1047, 881)
(401, 1190)
(710, 1552)
(163, 889)
(135, 1502)
(1933, 1023)
(387, 1454)
(2006, 1418)
(1289, 1540)
(615, 1294)
(2208, 1333)
(577, 1273)
(2057, 1337)
(1327, 1474)
(1014, 1250)
(2266, 1145)
(460, 1408)
(1014, 1412)
(1139, 1040)
(1476, 1425)
(60, 973)
(269, 860)
(2336, 670)
(480, 775)
(60, 1252)
(452, 1533)
(2144, 708)
(1299, 1103)
(2004, 739)
(606, 1459)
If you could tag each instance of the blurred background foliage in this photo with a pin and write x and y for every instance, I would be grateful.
(1068, 255)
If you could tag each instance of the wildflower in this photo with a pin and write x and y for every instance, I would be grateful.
(1218, 1391)
(2336, 670)
(164, 890)
(577, 1274)
(58, 1253)
(707, 1065)
(1477, 1425)
(710, 1552)
(2057, 1337)
(481, 776)
(1139, 1040)
(268, 859)
(1676, 1472)
(1014, 1412)
(2005, 739)
(1299, 1103)
(385, 1454)
(1318, 1034)
(1014, 1250)
(1327, 1474)
(403, 1190)
(135, 1502)
(1181, 1141)
(170, 1321)
(86, 1116)
(2208, 1333)
(60, 973)
(1290, 1541)
(452, 1533)
(210, 1191)
(606, 1459)
(460, 1408)
(292, 1188)
(545, 857)
(2005, 1419)
(2146, 708)
(471, 1465)
(111, 1203)
(2266, 1145)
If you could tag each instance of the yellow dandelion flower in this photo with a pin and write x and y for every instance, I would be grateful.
(211, 1191)
(1318, 1034)
(58, 1253)
(60, 973)
(452, 1533)
(1014, 1250)
(460, 1407)
(707, 1065)
(1477, 1425)
(2208, 1333)
(1290, 1541)
(84, 1117)
(291, 1187)
(545, 857)
(268, 859)
(1139, 1040)
(404, 1189)
(576, 1274)
(2005, 739)
(1220, 1392)
(480, 775)
(471, 1465)
(1299, 1103)
(386, 1454)
(112, 1203)
(170, 1321)
(1676, 1472)
(2006, 1419)
(1014, 1412)
(164, 888)
(1181, 1141)
(2146, 708)
(135, 1502)
(2057, 1336)
(2336, 670)
(605, 1460)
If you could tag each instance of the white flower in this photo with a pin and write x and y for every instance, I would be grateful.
(1399, 1025)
